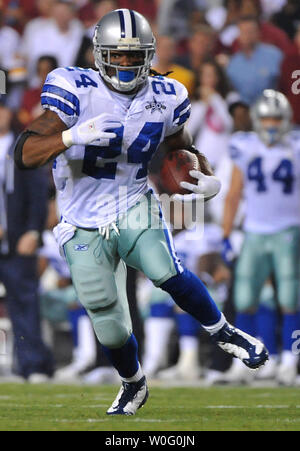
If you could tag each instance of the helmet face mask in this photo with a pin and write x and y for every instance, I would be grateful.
(272, 130)
(124, 32)
(271, 116)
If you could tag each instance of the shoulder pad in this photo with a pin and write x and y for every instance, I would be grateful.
(60, 94)
(239, 142)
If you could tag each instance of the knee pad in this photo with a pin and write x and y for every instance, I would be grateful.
(96, 288)
(111, 332)
(244, 297)
(288, 293)
(267, 297)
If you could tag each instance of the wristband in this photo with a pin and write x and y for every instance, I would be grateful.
(67, 138)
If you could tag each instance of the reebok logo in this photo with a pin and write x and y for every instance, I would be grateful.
(81, 247)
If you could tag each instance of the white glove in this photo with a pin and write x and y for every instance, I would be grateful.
(207, 187)
(91, 130)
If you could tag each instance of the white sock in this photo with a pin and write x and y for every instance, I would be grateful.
(188, 343)
(188, 351)
(289, 359)
(157, 336)
(216, 327)
(86, 350)
(138, 375)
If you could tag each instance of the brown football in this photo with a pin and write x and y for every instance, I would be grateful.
(175, 168)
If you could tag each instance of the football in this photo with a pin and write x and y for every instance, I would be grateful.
(175, 168)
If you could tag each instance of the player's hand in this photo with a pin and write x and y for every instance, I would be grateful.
(28, 243)
(94, 129)
(207, 187)
(227, 252)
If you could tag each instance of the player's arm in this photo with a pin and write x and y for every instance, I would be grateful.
(208, 185)
(232, 201)
(41, 142)
(48, 136)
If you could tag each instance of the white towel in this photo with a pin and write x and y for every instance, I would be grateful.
(63, 233)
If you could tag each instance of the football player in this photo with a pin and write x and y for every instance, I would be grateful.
(100, 129)
(267, 173)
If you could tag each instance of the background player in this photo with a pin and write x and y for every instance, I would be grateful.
(109, 215)
(267, 172)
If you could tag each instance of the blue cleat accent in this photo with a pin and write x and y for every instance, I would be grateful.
(241, 345)
(131, 397)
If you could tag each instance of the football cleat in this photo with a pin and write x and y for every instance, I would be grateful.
(286, 374)
(268, 371)
(131, 397)
(238, 373)
(241, 345)
(179, 372)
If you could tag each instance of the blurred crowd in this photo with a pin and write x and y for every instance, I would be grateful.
(226, 53)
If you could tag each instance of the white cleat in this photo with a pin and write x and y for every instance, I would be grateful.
(248, 349)
(214, 377)
(70, 372)
(239, 374)
(180, 372)
(101, 375)
(38, 378)
(268, 371)
(131, 397)
(287, 374)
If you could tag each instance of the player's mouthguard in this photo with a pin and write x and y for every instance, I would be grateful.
(126, 75)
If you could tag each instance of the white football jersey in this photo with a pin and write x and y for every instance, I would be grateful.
(96, 183)
(271, 181)
(190, 246)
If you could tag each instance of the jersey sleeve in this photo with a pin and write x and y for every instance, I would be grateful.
(181, 109)
(295, 144)
(238, 150)
(60, 96)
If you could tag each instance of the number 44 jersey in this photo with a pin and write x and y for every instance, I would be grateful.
(97, 182)
(271, 178)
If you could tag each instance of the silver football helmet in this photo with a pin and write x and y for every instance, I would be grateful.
(272, 104)
(123, 30)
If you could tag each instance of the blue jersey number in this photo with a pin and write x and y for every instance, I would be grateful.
(85, 80)
(93, 164)
(283, 174)
(256, 174)
(166, 88)
(150, 133)
(139, 152)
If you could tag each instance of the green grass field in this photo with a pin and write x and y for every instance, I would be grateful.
(81, 408)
